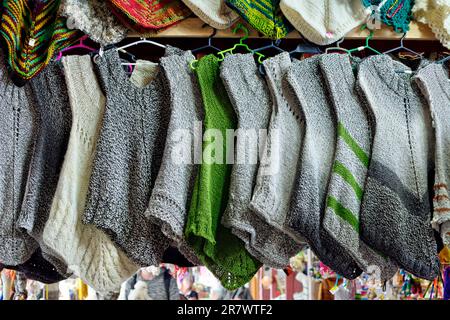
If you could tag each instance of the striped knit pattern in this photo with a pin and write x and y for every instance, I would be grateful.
(395, 13)
(263, 15)
(32, 33)
(145, 15)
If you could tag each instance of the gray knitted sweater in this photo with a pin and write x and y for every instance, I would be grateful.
(396, 214)
(127, 160)
(18, 128)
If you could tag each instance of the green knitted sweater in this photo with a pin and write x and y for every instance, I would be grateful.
(217, 248)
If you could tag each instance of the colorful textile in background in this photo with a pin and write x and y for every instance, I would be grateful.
(395, 13)
(146, 15)
(32, 33)
(263, 15)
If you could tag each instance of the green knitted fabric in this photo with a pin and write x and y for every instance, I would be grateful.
(217, 248)
(263, 15)
(395, 13)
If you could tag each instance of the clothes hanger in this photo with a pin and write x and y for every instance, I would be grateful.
(209, 45)
(403, 48)
(135, 43)
(337, 47)
(366, 45)
(80, 45)
(306, 47)
(273, 45)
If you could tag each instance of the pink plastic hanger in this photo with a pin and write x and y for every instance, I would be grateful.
(80, 45)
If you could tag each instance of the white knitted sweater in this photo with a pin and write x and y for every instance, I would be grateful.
(436, 14)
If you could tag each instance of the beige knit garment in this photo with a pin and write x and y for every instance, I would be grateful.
(88, 252)
(436, 14)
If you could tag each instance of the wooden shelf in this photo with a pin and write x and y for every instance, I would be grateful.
(195, 28)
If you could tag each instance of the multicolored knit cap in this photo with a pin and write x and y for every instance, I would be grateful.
(395, 13)
(32, 32)
(263, 15)
(148, 15)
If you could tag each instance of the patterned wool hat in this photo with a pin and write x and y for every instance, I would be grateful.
(395, 13)
(147, 15)
(263, 15)
(213, 12)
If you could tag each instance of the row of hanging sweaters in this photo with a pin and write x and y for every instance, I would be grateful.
(102, 173)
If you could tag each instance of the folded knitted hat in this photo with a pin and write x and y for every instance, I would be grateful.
(147, 15)
(263, 15)
(324, 21)
(395, 13)
(94, 18)
(213, 12)
(307, 204)
(436, 14)
(351, 160)
(435, 86)
(31, 33)
(395, 216)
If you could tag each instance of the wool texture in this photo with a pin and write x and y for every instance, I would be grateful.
(324, 21)
(88, 251)
(127, 160)
(351, 160)
(217, 248)
(308, 201)
(31, 33)
(435, 86)
(276, 177)
(93, 18)
(395, 13)
(395, 214)
(252, 104)
(213, 12)
(263, 15)
(170, 199)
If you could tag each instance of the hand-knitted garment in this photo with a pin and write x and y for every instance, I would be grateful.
(213, 12)
(250, 98)
(53, 116)
(145, 15)
(351, 160)
(94, 18)
(31, 32)
(87, 250)
(436, 14)
(170, 199)
(395, 214)
(217, 248)
(395, 13)
(435, 86)
(324, 21)
(18, 128)
(263, 15)
(127, 160)
(276, 176)
(308, 200)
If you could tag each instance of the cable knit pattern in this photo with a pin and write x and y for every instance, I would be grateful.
(18, 128)
(435, 86)
(436, 14)
(52, 135)
(276, 176)
(88, 251)
(127, 160)
(307, 206)
(250, 98)
(169, 202)
(395, 213)
(94, 18)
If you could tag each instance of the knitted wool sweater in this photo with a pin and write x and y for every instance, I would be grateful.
(87, 250)
(251, 100)
(217, 248)
(169, 202)
(395, 213)
(94, 18)
(435, 86)
(308, 199)
(436, 14)
(127, 160)
(32, 33)
(395, 13)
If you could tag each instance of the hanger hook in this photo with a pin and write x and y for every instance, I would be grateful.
(243, 28)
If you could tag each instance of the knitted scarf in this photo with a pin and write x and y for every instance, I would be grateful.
(263, 15)
(32, 33)
(395, 13)
(216, 247)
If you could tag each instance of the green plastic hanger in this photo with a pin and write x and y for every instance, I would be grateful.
(366, 46)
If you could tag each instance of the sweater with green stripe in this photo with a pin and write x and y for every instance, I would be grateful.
(351, 160)
(217, 248)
